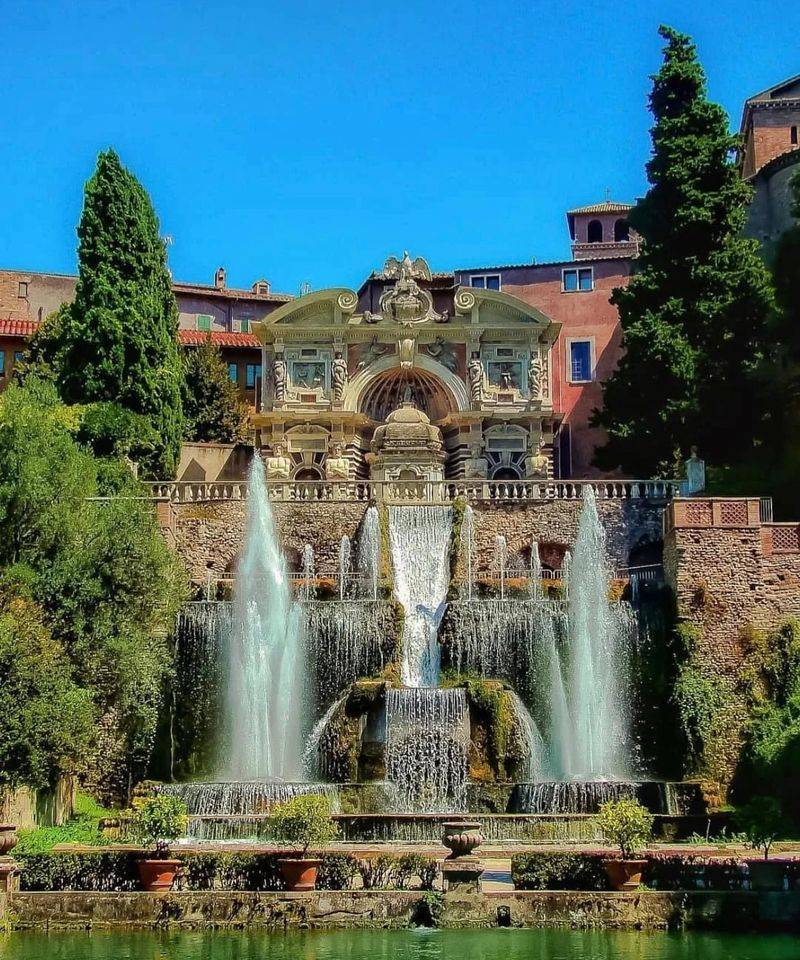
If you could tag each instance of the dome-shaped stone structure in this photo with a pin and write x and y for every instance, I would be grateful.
(406, 446)
(407, 428)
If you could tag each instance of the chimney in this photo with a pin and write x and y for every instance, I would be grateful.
(219, 278)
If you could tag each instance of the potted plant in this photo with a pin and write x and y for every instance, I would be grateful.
(303, 822)
(628, 825)
(762, 821)
(155, 820)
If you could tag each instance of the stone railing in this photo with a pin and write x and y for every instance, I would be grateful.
(410, 491)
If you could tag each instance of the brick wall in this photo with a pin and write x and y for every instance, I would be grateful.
(729, 573)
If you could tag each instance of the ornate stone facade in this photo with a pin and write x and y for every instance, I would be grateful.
(473, 364)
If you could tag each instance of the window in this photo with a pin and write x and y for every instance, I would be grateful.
(580, 361)
(204, 322)
(578, 280)
(253, 373)
(2, 363)
(621, 231)
(244, 324)
(793, 135)
(594, 232)
(23, 289)
(18, 355)
(485, 281)
(233, 372)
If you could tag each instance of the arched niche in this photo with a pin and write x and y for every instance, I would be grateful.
(384, 382)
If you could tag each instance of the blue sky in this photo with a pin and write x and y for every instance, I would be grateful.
(306, 141)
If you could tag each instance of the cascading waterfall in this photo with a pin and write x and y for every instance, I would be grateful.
(531, 738)
(427, 739)
(345, 641)
(536, 573)
(265, 702)
(312, 761)
(237, 810)
(419, 539)
(368, 552)
(501, 562)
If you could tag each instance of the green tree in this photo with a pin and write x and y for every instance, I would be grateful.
(213, 408)
(45, 718)
(694, 314)
(117, 341)
(82, 534)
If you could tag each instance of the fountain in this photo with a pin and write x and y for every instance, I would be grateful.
(265, 711)
(368, 551)
(344, 565)
(501, 562)
(307, 592)
(468, 543)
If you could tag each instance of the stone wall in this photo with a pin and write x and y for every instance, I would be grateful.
(628, 524)
(209, 535)
(730, 574)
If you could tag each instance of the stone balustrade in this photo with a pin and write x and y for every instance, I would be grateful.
(410, 491)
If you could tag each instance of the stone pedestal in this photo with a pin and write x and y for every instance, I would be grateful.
(462, 875)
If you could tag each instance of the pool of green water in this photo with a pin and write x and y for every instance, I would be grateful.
(399, 945)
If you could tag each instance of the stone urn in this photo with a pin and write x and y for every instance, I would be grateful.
(8, 837)
(461, 837)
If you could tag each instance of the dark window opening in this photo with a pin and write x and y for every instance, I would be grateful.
(621, 231)
(252, 374)
(506, 473)
(308, 473)
(594, 232)
(793, 135)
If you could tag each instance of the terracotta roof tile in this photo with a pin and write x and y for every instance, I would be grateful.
(607, 206)
(219, 337)
(207, 290)
(17, 328)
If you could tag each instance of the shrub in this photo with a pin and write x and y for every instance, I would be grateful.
(762, 821)
(699, 699)
(158, 819)
(93, 871)
(415, 864)
(626, 824)
(378, 872)
(337, 872)
(304, 821)
(561, 871)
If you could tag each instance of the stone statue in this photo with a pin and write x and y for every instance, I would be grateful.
(475, 376)
(372, 351)
(339, 376)
(444, 353)
(337, 466)
(278, 465)
(279, 377)
(695, 473)
(537, 463)
(535, 377)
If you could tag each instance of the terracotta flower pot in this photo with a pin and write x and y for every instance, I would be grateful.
(8, 837)
(625, 874)
(461, 837)
(299, 873)
(766, 874)
(157, 874)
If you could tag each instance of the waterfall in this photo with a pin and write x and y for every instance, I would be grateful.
(597, 669)
(427, 739)
(311, 758)
(265, 702)
(536, 573)
(369, 551)
(468, 542)
(346, 641)
(419, 538)
(570, 796)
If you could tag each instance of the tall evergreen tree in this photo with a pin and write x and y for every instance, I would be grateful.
(694, 315)
(213, 408)
(117, 340)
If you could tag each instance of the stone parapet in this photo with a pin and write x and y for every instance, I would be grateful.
(326, 910)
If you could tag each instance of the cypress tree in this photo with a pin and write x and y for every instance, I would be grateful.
(214, 410)
(118, 339)
(695, 312)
